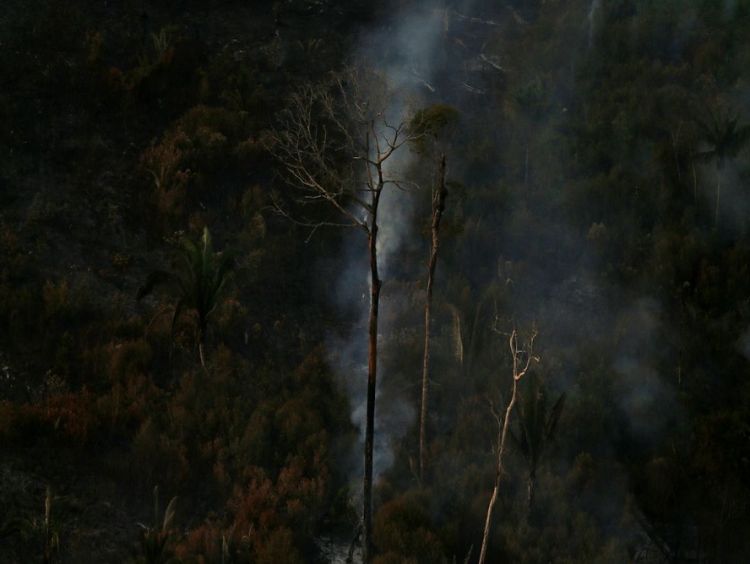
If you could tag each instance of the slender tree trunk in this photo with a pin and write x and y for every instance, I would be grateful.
(498, 472)
(718, 194)
(47, 556)
(519, 371)
(469, 359)
(530, 488)
(372, 370)
(438, 206)
(695, 184)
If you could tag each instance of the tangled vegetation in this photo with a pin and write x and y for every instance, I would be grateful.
(166, 321)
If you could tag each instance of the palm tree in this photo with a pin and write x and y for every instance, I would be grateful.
(198, 279)
(725, 139)
(537, 423)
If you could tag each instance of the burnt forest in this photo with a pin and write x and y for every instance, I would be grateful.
(374, 281)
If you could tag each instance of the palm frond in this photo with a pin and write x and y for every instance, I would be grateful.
(724, 135)
(536, 422)
(179, 306)
(554, 416)
(199, 276)
(169, 513)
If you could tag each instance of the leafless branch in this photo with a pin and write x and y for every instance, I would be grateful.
(332, 142)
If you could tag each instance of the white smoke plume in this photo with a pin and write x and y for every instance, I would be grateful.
(403, 50)
(591, 18)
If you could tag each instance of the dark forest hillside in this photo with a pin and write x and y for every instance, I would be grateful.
(193, 243)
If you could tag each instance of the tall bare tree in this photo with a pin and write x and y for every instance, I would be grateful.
(336, 144)
(521, 359)
(433, 127)
(439, 194)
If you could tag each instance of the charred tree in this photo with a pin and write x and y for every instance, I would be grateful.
(372, 367)
(439, 194)
(334, 143)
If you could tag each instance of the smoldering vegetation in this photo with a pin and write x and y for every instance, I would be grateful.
(597, 168)
(536, 228)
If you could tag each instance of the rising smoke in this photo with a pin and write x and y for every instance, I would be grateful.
(550, 272)
(403, 50)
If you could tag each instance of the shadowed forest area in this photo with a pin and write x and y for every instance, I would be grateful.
(412, 281)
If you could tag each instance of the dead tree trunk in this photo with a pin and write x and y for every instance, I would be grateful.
(372, 372)
(503, 426)
(498, 472)
(349, 177)
(438, 206)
